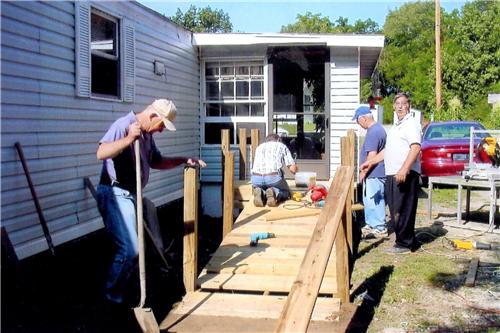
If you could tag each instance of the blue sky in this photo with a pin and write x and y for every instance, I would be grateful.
(266, 16)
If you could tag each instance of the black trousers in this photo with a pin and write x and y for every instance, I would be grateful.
(402, 200)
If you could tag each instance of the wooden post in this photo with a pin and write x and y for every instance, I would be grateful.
(300, 302)
(190, 262)
(255, 141)
(227, 213)
(243, 153)
(347, 159)
(224, 147)
(342, 255)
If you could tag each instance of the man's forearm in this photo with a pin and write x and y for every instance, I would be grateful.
(169, 162)
(412, 157)
(111, 149)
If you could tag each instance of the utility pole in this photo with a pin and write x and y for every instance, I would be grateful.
(438, 54)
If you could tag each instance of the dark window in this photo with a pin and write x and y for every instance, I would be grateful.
(213, 132)
(105, 55)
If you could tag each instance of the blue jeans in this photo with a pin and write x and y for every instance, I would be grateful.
(373, 200)
(276, 182)
(117, 207)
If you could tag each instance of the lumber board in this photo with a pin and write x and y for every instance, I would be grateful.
(260, 266)
(470, 280)
(238, 239)
(227, 214)
(247, 306)
(278, 230)
(257, 283)
(287, 214)
(300, 302)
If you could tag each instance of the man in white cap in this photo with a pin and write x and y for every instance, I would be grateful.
(117, 186)
(373, 180)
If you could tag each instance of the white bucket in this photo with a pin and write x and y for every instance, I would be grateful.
(305, 179)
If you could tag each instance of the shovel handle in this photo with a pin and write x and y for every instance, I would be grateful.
(140, 224)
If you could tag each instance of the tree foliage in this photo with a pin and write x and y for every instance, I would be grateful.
(316, 23)
(470, 58)
(203, 19)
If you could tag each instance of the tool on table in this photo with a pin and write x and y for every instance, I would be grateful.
(144, 316)
(255, 237)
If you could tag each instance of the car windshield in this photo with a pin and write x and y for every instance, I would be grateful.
(451, 131)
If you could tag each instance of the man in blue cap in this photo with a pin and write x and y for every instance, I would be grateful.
(373, 179)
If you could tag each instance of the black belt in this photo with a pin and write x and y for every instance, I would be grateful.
(265, 174)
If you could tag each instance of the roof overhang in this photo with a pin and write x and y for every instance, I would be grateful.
(272, 39)
(370, 46)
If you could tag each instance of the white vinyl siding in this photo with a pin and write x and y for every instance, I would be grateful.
(344, 97)
(59, 131)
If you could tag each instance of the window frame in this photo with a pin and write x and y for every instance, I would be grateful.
(118, 58)
(235, 120)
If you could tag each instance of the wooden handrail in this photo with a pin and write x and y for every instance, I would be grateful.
(299, 306)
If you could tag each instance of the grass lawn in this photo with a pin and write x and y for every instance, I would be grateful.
(424, 291)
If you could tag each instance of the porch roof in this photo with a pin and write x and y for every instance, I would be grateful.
(370, 46)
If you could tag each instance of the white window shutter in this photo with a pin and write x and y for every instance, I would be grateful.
(82, 48)
(128, 42)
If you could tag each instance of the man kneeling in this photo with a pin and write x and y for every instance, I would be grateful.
(267, 175)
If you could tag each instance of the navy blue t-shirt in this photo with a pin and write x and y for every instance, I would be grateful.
(374, 141)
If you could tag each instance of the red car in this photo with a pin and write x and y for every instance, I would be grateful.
(445, 148)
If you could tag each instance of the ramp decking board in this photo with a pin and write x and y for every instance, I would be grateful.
(237, 284)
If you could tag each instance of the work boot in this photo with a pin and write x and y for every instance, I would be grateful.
(257, 197)
(271, 198)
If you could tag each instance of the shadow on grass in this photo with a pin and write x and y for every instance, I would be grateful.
(371, 291)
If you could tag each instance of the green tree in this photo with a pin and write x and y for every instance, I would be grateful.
(203, 19)
(470, 58)
(316, 23)
(471, 61)
(407, 63)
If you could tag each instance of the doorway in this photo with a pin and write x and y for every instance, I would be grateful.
(299, 104)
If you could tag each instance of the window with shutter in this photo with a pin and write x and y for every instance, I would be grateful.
(105, 55)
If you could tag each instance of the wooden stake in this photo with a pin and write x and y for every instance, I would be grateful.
(224, 147)
(254, 141)
(243, 153)
(227, 213)
(470, 280)
(190, 262)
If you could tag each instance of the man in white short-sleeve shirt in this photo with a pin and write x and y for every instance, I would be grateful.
(402, 168)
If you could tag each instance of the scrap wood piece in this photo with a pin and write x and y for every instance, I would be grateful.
(287, 214)
(470, 280)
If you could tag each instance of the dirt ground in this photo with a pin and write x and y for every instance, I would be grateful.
(420, 292)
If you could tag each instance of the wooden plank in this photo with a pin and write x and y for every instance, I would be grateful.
(190, 261)
(260, 266)
(243, 239)
(227, 220)
(470, 280)
(254, 139)
(342, 262)
(245, 306)
(197, 323)
(257, 282)
(287, 214)
(243, 153)
(300, 302)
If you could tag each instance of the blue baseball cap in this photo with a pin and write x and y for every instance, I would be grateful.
(361, 111)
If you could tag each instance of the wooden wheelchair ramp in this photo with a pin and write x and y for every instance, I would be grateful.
(260, 288)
